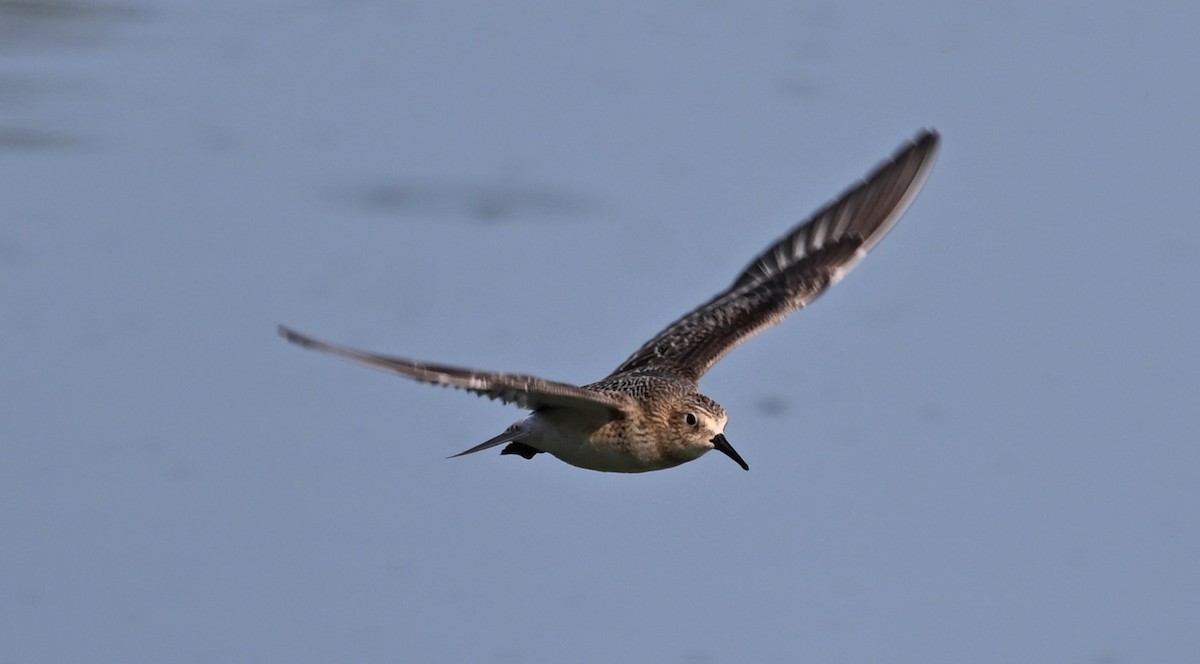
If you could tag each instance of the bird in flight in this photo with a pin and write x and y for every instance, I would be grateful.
(648, 414)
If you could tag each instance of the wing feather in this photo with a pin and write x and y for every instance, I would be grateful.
(525, 391)
(793, 271)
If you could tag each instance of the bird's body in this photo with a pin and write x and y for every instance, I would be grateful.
(622, 444)
(649, 414)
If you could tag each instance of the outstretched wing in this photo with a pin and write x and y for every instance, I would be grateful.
(795, 270)
(525, 391)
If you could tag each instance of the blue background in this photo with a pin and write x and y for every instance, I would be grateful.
(979, 447)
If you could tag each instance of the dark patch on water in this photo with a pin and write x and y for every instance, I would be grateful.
(43, 27)
(479, 202)
(772, 405)
(27, 23)
(17, 139)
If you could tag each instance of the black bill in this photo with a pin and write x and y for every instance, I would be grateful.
(723, 446)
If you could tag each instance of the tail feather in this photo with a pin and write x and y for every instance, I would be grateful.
(514, 432)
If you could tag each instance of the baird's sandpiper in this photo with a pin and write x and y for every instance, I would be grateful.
(648, 413)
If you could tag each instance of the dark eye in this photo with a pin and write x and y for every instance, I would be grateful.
(690, 419)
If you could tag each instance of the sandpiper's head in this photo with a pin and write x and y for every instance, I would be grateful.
(700, 423)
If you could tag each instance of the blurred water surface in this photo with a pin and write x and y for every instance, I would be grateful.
(979, 447)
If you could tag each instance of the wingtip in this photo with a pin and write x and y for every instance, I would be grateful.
(293, 336)
(927, 138)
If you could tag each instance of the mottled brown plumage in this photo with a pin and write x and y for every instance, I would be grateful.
(648, 413)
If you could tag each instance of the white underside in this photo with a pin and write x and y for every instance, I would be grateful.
(569, 440)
